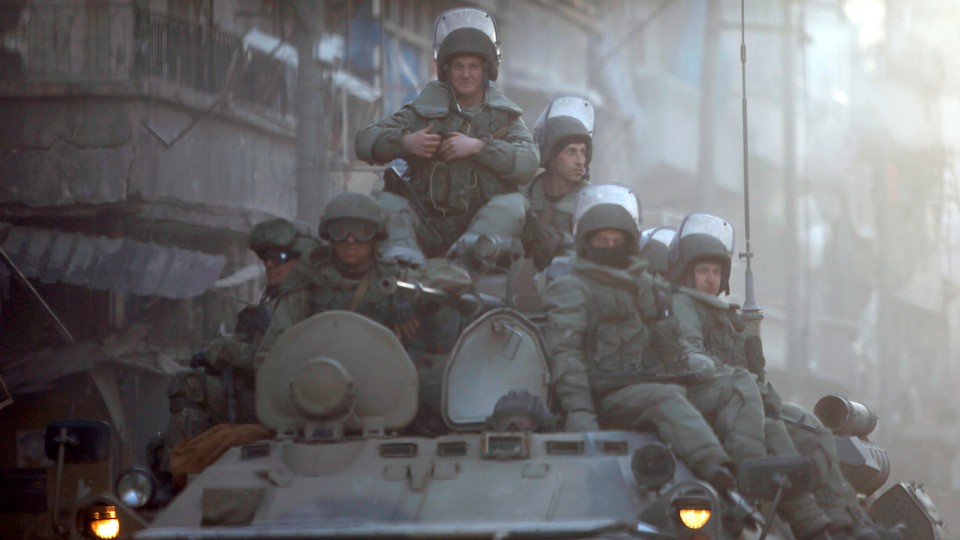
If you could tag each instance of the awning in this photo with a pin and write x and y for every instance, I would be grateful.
(116, 264)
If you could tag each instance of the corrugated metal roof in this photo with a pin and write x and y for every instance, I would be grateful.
(117, 264)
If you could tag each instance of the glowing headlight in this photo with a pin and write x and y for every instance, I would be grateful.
(136, 487)
(694, 518)
(99, 522)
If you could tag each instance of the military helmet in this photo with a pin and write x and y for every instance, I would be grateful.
(702, 238)
(605, 216)
(617, 194)
(655, 248)
(354, 206)
(564, 121)
(274, 233)
(466, 31)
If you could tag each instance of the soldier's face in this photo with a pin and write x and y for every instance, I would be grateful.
(608, 238)
(353, 254)
(466, 77)
(571, 163)
(277, 273)
(707, 277)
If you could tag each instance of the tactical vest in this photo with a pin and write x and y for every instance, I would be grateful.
(330, 290)
(619, 339)
(721, 339)
(463, 185)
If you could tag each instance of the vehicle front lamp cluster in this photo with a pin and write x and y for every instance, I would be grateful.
(693, 518)
(136, 487)
(99, 522)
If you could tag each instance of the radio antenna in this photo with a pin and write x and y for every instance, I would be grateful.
(752, 314)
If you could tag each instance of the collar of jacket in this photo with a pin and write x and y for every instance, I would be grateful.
(435, 100)
(709, 299)
(318, 269)
(626, 278)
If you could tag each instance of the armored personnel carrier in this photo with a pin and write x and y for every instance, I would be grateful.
(338, 391)
(338, 394)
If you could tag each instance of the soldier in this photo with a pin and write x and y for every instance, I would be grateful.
(655, 249)
(564, 133)
(199, 401)
(604, 318)
(711, 341)
(347, 274)
(467, 150)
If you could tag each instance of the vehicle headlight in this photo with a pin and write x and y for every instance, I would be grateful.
(653, 465)
(99, 522)
(693, 512)
(136, 487)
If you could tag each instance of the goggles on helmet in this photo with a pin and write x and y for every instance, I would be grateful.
(276, 255)
(360, 229)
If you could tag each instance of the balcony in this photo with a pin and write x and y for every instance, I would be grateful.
(116, 47)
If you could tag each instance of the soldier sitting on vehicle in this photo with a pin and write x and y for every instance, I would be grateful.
(564, 133)
(347, 275)
(219, 387)
(603, 323)
(467, 150)
(711, 341)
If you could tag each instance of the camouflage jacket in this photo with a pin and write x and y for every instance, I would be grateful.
(708, 326)
(602, 319)
(239, 350)
(316, 285)
(548, 230)
(509, 156)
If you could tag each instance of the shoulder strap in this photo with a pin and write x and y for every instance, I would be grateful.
(360, 292)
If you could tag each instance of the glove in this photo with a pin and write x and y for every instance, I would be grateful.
(753, 349)
(402, 309)
(772, 402)
(403, 317)
(251, 320)
(581, 421)
(545, 250)
(199, 360)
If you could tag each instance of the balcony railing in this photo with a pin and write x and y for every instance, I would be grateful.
(74, 42)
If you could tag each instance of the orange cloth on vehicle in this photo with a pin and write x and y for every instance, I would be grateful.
(192, 456)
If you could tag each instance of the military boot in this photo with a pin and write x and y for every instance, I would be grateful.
(716, 472)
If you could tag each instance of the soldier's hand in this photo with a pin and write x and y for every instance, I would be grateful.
(403, 315)
(421, 143)
(459, 146)
(407, 329)
(199, 360)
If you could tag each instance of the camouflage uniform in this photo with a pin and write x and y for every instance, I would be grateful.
(548, 230)
(478, 194)
(596, 324)
(708, 330)
(318, 285)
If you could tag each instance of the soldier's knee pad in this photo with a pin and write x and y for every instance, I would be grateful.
(187, 388)
(502, 215)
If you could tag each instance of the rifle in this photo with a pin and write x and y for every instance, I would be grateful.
(606, 382)
(471, 303)
(797, 423)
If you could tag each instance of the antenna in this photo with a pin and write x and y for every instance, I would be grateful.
(751, 313)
